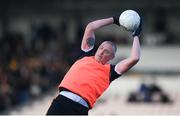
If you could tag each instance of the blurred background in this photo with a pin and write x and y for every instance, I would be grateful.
(39, 41)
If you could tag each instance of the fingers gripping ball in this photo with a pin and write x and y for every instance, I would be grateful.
(137, 32)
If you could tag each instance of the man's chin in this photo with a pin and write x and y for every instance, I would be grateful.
(98, 59)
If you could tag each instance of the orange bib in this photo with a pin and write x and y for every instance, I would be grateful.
(87, 78)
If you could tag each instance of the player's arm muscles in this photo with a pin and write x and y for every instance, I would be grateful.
(88, 40)
(126, 64)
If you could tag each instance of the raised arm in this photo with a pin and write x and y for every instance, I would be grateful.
(126, 64)
(88, 40)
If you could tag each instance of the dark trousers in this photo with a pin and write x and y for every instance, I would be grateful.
(63, 106)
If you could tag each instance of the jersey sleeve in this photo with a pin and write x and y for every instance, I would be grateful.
(113, 74)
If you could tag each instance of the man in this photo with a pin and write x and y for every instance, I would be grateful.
(90, 76)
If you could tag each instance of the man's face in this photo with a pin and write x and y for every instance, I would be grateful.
(104, 53)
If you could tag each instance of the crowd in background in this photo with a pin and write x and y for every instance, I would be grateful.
(27, 72)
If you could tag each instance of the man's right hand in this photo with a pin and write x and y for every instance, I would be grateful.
(137, 32)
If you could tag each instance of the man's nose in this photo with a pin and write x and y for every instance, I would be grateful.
(101, 52)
